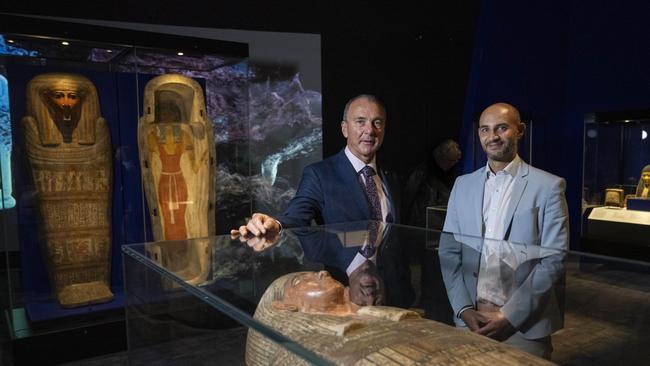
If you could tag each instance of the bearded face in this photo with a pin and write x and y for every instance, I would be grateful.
(65, 110)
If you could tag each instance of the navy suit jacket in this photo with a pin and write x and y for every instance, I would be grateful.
(330, 193)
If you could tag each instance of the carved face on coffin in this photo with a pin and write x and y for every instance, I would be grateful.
(645, 178)
(64, 106)
(314, 292)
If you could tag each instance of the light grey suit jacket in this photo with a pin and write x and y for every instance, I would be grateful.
(536, 217)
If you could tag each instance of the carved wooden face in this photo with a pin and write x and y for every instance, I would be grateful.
(64, 105)
(645, 177)
(314, 292)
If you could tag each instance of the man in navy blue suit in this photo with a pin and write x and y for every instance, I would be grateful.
(335, 190)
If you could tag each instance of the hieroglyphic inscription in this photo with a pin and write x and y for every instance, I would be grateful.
(48, 181)
(69, 151)
(58, 215)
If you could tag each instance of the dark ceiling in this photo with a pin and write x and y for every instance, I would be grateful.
(415, 57)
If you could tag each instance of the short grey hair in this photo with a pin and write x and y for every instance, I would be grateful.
(368, 97)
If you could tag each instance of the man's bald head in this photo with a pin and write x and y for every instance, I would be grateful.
(499, 130)
(503, 110)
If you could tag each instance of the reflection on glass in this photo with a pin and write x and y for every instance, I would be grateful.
(353, 259)
(520, 286)
(311, 308)
(190, 261)
(602, 299)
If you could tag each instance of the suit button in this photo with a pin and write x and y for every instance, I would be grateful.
(475, 274)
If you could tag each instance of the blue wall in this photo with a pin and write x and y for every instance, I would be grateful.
(557, 60)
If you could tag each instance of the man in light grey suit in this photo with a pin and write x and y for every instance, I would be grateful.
(517, 297)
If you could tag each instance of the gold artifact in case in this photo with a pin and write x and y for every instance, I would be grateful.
(643, 188)
(614, 197)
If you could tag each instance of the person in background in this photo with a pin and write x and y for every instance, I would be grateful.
(430, 183)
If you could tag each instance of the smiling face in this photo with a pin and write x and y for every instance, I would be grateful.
(364, 127)
(499, 131)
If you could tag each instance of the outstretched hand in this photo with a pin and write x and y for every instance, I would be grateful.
(260, 232)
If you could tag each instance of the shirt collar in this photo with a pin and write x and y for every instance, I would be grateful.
(357, 163)
(512, 168)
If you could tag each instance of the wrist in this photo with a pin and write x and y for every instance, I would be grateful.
(463, 309)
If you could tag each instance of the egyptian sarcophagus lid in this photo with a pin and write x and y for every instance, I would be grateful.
(177, 158)
(314, 310)
(69, 149)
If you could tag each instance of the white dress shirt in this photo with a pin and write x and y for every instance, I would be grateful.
(499, 259)
(496, 198)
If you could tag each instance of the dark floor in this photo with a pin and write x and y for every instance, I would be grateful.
(219, 348)
(607, 319)
(607, 323)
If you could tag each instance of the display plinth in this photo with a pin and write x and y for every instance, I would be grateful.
(619, 232)
(639, 204)
(50, 343)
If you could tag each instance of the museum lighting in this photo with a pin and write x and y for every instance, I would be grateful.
(644, 134)
(10, 41)
(65, 43)
(180, 53)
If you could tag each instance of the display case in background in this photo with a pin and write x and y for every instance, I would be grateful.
(605, 301)
(616, 152)
(107, 137)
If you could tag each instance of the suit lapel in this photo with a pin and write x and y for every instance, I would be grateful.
(517, 192)
(475, 197)
(351, 184)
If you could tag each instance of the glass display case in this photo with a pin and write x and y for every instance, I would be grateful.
(435, 217)
(615, 200)
(242, 308)
(107, 137)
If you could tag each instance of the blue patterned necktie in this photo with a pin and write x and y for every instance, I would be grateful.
(370, 190)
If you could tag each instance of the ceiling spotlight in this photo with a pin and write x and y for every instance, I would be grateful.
(10, 41)
(109, 51)
(65, 43)
(180, 53)
(644, 134)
